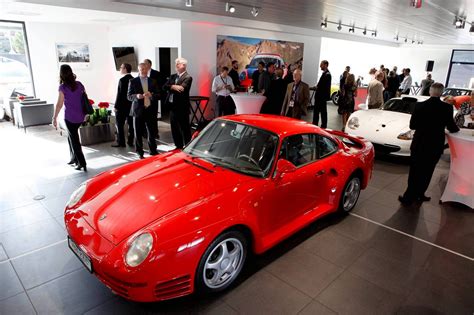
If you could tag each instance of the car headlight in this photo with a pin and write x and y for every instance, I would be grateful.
(353, 123)
(139, 249)
(406, 135)
(77, 195)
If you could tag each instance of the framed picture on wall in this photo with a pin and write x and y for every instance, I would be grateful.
(76, 55)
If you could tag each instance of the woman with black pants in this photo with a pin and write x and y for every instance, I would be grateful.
(70, 95)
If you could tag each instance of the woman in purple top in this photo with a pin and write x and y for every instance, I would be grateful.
(70, 94)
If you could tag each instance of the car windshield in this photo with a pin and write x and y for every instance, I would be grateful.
(235, 146)
(405, 105)
(456, 92)
(255, 61)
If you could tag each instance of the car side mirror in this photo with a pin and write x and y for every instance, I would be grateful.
(284, 167)
(195, 134)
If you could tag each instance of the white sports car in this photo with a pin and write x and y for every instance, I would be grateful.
(387, 127)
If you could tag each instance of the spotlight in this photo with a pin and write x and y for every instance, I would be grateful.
(413, 41)
(229, 8)
(254, 11)
(365, 31)
(406, 39)
(471, 29)
(351, 29)
(189, 3)
(396, 37)
(324, 24)
(459, 22)
(420, 42)
(374, 33)
(339, 27)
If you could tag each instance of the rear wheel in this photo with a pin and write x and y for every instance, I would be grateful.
(335, 98)
(222, 262)
(350, 194)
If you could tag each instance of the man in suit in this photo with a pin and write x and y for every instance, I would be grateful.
(275, 94)
(142, 92)
(122, 108)
(178, 87)
(322, 95)
(160, 80)
(234, 74)
(429, 120)
(297, 97)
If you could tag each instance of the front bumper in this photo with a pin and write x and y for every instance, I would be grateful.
(163, 276)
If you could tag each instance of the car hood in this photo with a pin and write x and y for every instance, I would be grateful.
(152, 191)
(375, 119)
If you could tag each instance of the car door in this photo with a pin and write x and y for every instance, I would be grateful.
(292, 194)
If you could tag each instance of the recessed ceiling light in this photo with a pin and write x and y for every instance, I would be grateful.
(229, 8)
(189, 3)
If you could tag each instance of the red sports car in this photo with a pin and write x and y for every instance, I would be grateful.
(184, 221)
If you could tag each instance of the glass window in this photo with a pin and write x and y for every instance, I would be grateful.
(325, 146)
(461, 70)
(299, 149)
(236, 146)
(15, 72)
(405, 105)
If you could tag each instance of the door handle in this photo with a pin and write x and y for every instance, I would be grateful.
(319, 173)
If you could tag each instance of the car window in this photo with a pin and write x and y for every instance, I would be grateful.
(236, 146)
(325, 146)
(405, 105)
(299, 149)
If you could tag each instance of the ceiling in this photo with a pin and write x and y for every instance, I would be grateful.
(430, 24)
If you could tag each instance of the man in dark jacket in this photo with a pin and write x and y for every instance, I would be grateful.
(322, 95)
(234, 74)
(142, 92)
(122, 108)
(160, 80)
(178, 87)
(275, 94)
(429, 120)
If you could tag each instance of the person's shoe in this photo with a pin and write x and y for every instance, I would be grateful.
(424, 198)
(141, 156)
(71, 162)
(405, 201)
(117, 145)
(79, 167)
(130, 144)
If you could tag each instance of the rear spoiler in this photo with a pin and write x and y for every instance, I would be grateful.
(349, 140)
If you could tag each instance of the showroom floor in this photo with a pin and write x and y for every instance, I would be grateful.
(381, 259)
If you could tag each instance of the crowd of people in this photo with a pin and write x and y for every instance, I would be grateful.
(286, 94)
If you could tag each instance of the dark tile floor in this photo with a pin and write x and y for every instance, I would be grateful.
(381, 259)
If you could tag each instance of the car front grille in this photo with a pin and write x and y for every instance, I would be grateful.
(173, 288)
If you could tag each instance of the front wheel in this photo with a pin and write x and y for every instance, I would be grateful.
(335, 98)
(350, 194)
(222, 262)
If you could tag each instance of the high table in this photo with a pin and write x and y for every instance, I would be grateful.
(460, 186)
(247, 103)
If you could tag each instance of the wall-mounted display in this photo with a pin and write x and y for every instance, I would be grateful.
(250, 51)
(125, 55)
(77, 54)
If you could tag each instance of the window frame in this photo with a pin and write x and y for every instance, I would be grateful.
(451, 64)
(27, 51)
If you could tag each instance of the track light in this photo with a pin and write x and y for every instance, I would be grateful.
(254, 11)
(406, 39)
(374, 33)
(324, 24)
(420, 42)
(189, 3)
(229, 8)
(351, 29)
(339, 27)
(396, 37)
(365, 31)
(471, 29)
(459, 22)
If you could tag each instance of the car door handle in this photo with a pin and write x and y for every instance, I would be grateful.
(321, 172)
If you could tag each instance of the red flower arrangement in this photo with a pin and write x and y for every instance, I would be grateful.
(21, 97)
(91, 102)
(103, 105)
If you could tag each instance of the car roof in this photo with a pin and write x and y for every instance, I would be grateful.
(460, 89)
(419, 98)
(280, 125)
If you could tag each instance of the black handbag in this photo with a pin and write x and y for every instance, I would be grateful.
(87, 108)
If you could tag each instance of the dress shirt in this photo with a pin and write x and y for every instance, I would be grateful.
(406, 83)
(146, 100)
(219, 83)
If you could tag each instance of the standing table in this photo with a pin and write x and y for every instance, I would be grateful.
(460, 186)
(248, 103)
(196, 109)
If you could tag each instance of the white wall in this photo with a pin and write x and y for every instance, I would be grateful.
(361, 57)
(415, 57)
(146, 37)
(42, 39)
(199, 43)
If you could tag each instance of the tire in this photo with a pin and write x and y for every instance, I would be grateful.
(350, 194)
(207, 279)
(335, 98)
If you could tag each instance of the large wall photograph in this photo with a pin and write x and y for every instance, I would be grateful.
(250, 51)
